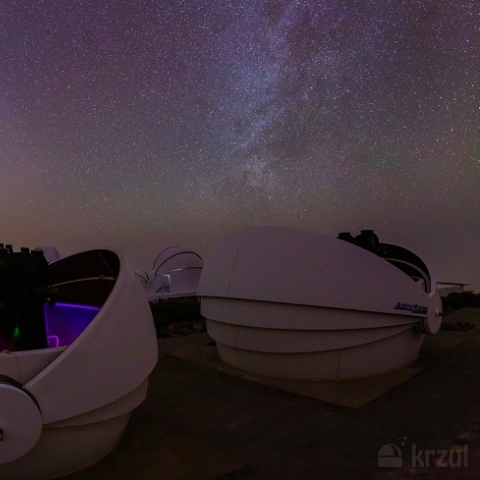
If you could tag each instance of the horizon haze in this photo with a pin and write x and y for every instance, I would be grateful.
(143, 125)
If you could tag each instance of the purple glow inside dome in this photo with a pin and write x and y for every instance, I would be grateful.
(66, 321)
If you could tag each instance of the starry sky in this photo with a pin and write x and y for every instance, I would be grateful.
(150, 123)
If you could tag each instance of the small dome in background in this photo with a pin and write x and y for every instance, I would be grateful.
(143, 276)
(175, 273)
(174, 258)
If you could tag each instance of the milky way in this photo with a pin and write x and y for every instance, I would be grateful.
(151, 122)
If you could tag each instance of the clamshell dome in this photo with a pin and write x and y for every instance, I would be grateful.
(175, 273)
(72, 372)
(174, 258)
(292, 303)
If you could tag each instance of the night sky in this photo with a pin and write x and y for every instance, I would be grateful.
(150, 123)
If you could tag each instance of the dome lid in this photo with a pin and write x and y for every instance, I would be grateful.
(176, 258)
(294, 266)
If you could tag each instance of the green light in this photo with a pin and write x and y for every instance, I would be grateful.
(16, 333)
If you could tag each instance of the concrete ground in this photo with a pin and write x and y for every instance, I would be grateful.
(202, 421)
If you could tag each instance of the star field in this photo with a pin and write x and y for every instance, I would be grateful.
(141, 124)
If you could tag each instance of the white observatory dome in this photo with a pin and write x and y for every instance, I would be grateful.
(291, 303)
(175, 273)
(67, 394)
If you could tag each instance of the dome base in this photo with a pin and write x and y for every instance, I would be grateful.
(368, 359)
(61, 451)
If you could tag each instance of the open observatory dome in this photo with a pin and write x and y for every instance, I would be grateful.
(77, 344)
(291, 303)
(175, 273)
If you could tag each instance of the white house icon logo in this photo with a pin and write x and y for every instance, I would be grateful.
(390, 456)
